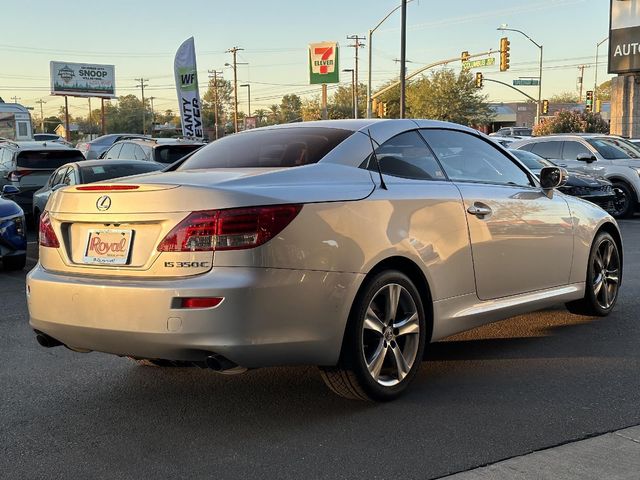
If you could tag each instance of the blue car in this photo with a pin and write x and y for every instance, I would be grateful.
(13, 232)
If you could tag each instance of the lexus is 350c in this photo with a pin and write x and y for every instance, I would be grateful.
(344, 244)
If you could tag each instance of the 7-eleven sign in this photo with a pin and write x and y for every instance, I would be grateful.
(323, 63)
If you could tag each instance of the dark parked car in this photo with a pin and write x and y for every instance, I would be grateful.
(88, 171)
(13, 236)
(162, 150)
(94, 148)
(28, 165)
(597, 190)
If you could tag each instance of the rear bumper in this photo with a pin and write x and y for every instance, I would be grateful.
(268, 316)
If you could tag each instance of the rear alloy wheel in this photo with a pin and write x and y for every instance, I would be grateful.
(603, 279)
(384, 343)
(624, 202)
(15, 262)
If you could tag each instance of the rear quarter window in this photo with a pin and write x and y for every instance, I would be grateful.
(280, 147)
(173, 153)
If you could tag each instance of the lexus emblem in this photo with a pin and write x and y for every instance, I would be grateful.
(103, 203)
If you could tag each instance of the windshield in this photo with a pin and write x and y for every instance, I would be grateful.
(281, 147)
(614, 148)
(47, 159)
(96, 173)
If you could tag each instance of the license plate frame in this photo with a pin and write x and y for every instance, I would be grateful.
(115, 244)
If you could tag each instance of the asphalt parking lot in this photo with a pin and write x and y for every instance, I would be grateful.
(503, 390)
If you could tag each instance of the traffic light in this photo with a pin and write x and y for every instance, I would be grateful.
(380, 110)
(464, 56)
(479, 80)
(384, 109)
(504, 54)
(374, 105)
(589, 106)
(545, 107)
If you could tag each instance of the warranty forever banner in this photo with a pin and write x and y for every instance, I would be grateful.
(186, 75)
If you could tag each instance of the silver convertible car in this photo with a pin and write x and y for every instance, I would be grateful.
(344, 244)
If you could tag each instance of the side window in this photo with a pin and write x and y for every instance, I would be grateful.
(549, 150)
(467, 158)
(571, 150)
(526, 147)
(114, 151)
(138, 153)
(69, 177)
(128, 151)
(407, 156)
(57, 176)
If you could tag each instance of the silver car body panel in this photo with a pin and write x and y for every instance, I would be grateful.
(288, 301)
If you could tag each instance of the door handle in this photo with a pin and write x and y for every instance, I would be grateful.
(479, 210)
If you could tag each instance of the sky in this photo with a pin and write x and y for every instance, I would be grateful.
(141, 37)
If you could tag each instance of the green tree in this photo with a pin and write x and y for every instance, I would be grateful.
(340, 105)
(450, 97)
(290, 108)
(50, 124)
(311, 109)
(603, 91)
(273, 115)
(564, 97)
(126, 116)
(225, 103)
(568, 121)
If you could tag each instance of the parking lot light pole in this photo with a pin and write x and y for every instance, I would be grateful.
(370, 37)
(538, 107)
(595, 77)
(353, 90)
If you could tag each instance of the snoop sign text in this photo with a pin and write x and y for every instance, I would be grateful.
(82, 79)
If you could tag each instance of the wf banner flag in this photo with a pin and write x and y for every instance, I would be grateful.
(186, 75)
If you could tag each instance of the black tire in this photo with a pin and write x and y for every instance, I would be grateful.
(395, 344)
(604, 275)
(15, 262)
(624, 205)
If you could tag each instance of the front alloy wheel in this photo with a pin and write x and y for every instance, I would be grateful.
(604, 274)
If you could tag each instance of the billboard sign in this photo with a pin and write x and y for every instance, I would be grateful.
(186, 75)
(323, 63)
(83, 79)
(624, 36)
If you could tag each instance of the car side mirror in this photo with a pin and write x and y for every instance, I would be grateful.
(9, 190)
(552, 177)
(586, 157)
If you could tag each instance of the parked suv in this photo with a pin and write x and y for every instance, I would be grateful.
(614, 158)
(161, 150)
(94, 148)
(28, 165)
(514, 132)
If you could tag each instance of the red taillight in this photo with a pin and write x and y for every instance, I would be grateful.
(47, 236)
(200, 302)
(232, 229)
(100, 188)
(16, 175)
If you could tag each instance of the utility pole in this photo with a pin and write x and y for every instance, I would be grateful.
(15, 99)
(213, 75)
(153, 116)
(235, 51)
(41, 115)
(581, 80)
(403, 56)
(141, 86)
(356, 45)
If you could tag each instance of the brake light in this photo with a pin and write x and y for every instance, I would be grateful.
(16, 175)
(46, 236)
(233, 229)
(105, 188)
